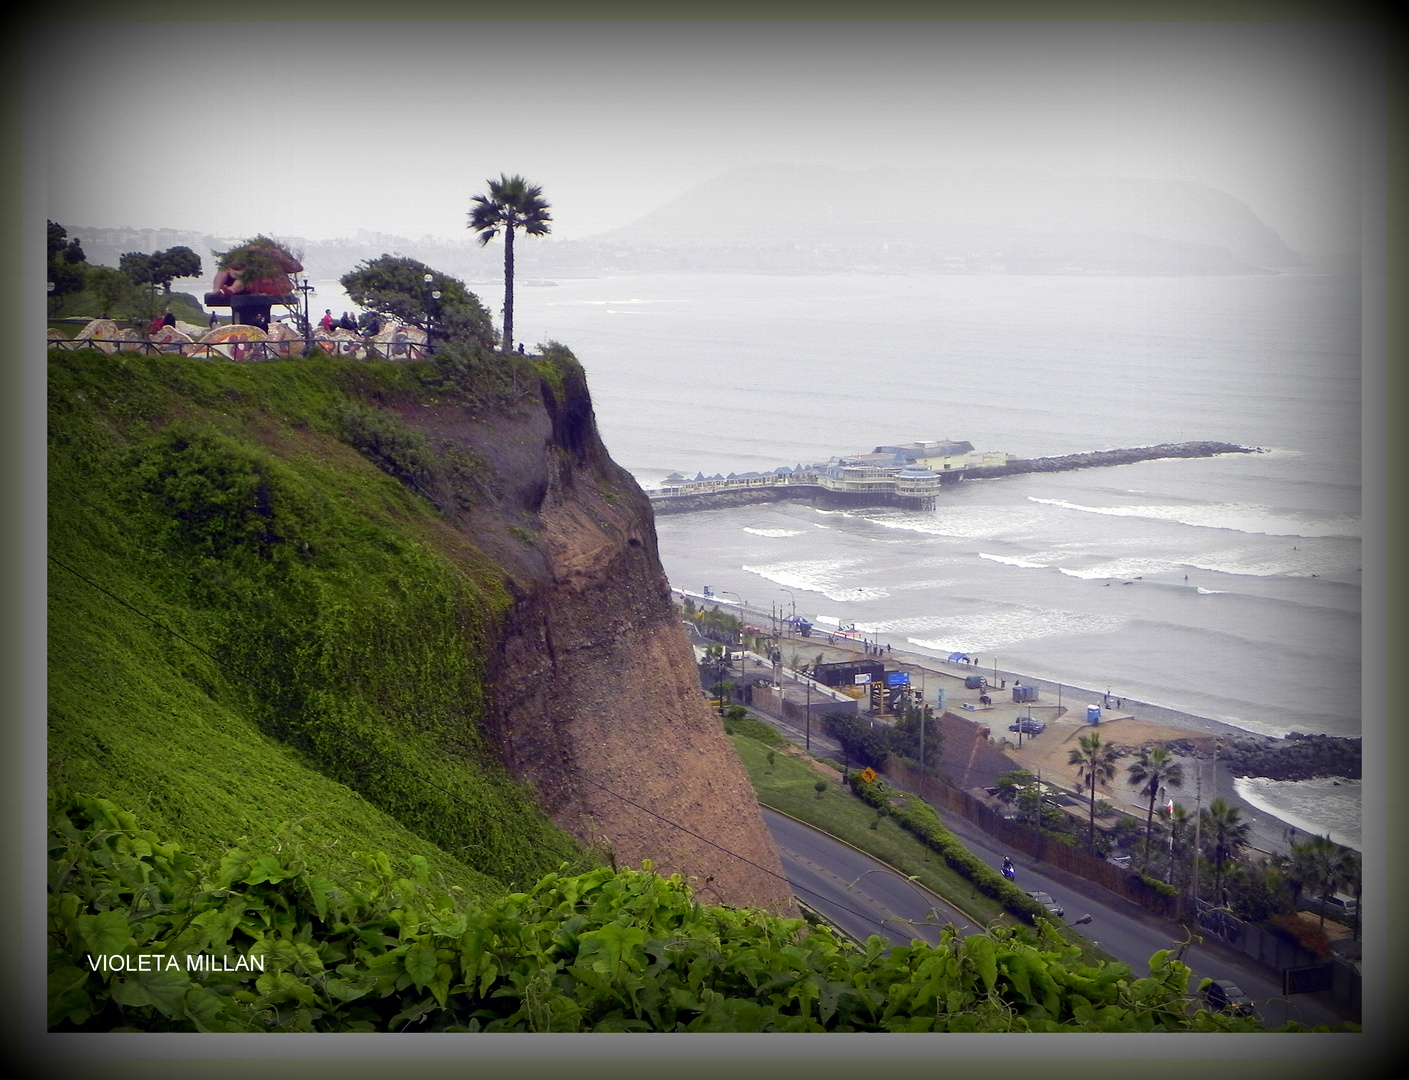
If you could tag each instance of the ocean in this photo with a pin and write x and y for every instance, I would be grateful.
(1226, 587)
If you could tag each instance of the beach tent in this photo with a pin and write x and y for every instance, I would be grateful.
(958, 656)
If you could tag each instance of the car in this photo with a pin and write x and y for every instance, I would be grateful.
(1028, 726)
(1224, 995)
(1045, 899)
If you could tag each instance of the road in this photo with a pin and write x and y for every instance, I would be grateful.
(864, 896)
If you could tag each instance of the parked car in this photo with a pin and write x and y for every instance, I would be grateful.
(1045, 899)
(975, 682)
(1337, 905)
(1224, 995)
(1028, 726)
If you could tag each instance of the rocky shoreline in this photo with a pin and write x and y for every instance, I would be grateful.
(1297, 757)
(1102, 458)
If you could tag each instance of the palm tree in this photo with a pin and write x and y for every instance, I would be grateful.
(1322, 866)
(1096, 765)
(1181, 836)
(1154, 768)
(512, 203)
(1224, 835)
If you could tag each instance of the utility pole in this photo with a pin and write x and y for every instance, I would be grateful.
(923, 709)
(809, 715)
(1198, 821)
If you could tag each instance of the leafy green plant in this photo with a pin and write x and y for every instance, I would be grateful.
(607, 950)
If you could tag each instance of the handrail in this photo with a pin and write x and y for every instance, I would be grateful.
(247, 351)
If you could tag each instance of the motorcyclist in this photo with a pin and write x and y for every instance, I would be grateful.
(1008, 871)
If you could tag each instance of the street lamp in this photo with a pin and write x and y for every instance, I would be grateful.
(737, 597)
(432, 295)
(794, 599)
(306, 288)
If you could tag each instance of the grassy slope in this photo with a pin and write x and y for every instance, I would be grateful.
(328, 690)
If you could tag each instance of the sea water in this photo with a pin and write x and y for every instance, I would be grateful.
(1225, 587)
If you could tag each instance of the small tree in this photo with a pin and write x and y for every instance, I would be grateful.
(174, 262)
(1321, 866)
(396, 286)
(1095, 765)
(68, 266)
(112, 289)
(1155, 767)
(1224, 836)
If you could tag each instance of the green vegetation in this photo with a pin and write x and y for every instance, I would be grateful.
(1155, 768)
(601, 951)
(1095, 767)
(791, 787)
(160, 267)
(260, 632)
(414, 293)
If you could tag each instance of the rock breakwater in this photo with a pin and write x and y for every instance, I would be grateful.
(1100, 458)
(1297, 757)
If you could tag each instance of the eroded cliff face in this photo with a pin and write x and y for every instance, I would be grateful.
(596, 699)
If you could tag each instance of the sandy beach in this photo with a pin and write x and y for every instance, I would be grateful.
(1130, 726)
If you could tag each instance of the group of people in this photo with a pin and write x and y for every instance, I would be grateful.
(167, 319)
(349, 322)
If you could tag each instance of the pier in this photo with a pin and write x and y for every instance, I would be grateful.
(864, 481)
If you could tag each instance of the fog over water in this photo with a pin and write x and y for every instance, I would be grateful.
(1227, 587)
(1041, 238)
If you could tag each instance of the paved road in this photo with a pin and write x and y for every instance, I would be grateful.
(860, 894)
(1132, 935)
(864, 896)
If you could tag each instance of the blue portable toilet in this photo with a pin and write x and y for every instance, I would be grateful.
(1093, 714)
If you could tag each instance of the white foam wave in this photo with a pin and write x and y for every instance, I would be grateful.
(967, 522)
(1211, 592)
(1252, 562)
(773, 533)
(1319, 806)
(823, 576)
(1023, 563)
(1121, 569)
(1237, 517)
(1001, 628)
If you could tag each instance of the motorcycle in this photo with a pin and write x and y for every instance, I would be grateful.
(1009, 872)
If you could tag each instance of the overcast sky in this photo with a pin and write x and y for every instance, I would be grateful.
(319, 131)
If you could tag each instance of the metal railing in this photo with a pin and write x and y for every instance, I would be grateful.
(249, 351)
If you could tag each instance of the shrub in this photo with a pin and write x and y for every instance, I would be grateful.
(607, 950)
(919, 818)
(1309, 936)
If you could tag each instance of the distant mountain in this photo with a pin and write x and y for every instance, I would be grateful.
(795, 220)
(916, 218)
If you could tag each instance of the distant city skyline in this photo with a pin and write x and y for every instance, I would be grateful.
(321, 131)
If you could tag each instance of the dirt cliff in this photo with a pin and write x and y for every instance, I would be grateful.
(596, 702)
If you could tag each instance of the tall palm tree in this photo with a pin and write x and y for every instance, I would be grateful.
(1096, 765)
(1155, 767)
(1224, 835)
(1181, 837)
(512, 203)
(1322, 866)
